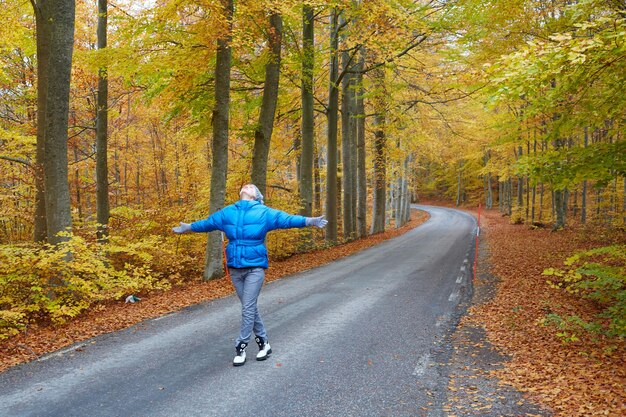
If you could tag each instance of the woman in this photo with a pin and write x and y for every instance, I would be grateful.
(245, 224)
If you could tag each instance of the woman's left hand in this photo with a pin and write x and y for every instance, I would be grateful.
(320, 222)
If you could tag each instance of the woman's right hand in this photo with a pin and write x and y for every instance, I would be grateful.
(183, 228)
(320, 222)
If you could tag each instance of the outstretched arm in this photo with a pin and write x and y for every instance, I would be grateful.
(213, 222)
(282, 220)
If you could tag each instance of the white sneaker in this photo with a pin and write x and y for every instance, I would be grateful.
(264, 349)
(240, 358)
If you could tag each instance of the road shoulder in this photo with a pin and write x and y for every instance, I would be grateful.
(472, 390)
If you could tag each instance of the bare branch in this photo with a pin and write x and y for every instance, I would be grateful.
(417, 40)
(18, 160)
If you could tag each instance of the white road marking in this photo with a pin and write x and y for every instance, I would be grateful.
(459, 279)
(61, 352)
(165, 316)
(422, 364)
(454, 296)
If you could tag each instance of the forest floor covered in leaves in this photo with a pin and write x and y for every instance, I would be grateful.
(585, 377)
(501, 340)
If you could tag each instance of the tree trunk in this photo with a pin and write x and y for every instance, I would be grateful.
(583, 197)
(489, 192)
(43, 63)
(559, 207)
(219, 167)
(458, 188)
(361, 174)
(624, 203)
(509, 196)
(348, 142)
(59, 15)
(317, 181)
(559, 200)
(79, 203)
(520, 185)
(500, 197)
(380, 171)
(102, 170)
(541, 201)
(331, 160)
(308, 118)
(263, 132)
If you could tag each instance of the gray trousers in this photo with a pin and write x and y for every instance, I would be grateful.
(248, 283)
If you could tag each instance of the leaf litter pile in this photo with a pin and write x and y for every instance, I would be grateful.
(36, 340)
(585, 377)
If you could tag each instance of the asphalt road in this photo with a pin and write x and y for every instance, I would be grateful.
(363, 336)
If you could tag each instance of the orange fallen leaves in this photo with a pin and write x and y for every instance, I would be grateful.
(582, 378)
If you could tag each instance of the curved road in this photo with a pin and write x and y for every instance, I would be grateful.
(362, 336)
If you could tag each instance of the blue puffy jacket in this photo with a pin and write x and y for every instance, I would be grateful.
(245, 224)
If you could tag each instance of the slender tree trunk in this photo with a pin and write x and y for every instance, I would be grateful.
(520, 184)
(263, 133)
(317, 182)
(390, 203)
(79, 203)
(308, 125)
(127, 149)
(43, 63)
(407, 194)
(509, 196)
(458, 188)
(500, 197)
(559, 199)
(331, 160)
(489, 192)
(527, 184)
(624, 203)
(219, 166)
(380, 170)
(348, 143)
(396, 200)
(102, 177)
(532, 215)
(532, 210)
(361, 174)
(60, 17)
(559, 207)
(583, 197)
(541, 192)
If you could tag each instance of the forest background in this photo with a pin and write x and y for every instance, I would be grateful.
(120, 119)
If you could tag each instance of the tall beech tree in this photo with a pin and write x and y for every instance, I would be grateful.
(102, 118)
(308, 116)
(55, 20)
(348, 144)
(331, 136)
(361, 155)
(263, 131)
(380, 155)
(219, 163)
(43, 58)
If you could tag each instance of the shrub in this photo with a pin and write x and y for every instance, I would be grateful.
(599, 275)
(54, 283)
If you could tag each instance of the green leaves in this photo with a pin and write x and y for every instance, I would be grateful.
(562, 168)
(600, 275)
